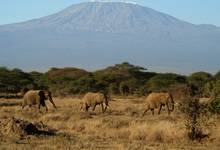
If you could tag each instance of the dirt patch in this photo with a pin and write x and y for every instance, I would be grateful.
(22, 128)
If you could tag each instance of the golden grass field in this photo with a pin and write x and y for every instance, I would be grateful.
(121, 127)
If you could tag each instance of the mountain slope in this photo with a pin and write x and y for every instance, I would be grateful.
(96, 34)
(106, 17)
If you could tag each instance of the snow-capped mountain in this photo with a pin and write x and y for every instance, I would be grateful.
(95, 34)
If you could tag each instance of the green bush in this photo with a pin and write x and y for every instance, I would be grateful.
(113, 88)
(215, 105)
(162, 82)
(199, 80)
(12, 81)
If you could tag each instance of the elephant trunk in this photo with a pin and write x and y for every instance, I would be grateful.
(48, 95)
(51, 100)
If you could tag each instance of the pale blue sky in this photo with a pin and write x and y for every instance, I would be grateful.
(194, 11)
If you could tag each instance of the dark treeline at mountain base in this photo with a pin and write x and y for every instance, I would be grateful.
(120, 79)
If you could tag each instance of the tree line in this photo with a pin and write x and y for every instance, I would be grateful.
(120, 79)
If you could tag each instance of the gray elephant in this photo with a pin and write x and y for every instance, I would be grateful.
(37, 97)
(157, 100)
(93, 99)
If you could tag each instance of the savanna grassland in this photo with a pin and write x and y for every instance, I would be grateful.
(121, 127)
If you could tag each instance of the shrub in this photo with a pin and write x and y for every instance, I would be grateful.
(163, 81)
(113, 88)
(199, 79)
(215, 105)
(195, 122)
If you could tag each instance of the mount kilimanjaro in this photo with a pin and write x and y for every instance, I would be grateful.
(95, 34)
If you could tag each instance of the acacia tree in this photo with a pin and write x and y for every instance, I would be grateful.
(12, 81)
(199, 80)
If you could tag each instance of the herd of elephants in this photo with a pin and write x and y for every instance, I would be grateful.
(92, 99)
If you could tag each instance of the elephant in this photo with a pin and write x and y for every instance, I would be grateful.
(37, 97)
(155, 100)
(92, 99)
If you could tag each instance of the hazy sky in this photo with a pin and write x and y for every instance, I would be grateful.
(194, 11)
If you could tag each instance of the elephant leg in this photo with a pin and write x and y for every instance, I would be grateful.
(102, 108)
(23, 106)
(38, 107)
(30, 107)
(94, 107)
(168, 110)
(46, 108)
(42, 102)
(105, 108)
(160, 109)
(86, 108)
(152, 110)
(81, 107)
(145, 112)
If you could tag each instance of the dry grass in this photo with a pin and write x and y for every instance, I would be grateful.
(122, 127)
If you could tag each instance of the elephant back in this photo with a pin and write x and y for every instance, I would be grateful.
(156, 99)
(93, 98)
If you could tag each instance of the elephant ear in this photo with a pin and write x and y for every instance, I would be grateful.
(41, 94)
(42, 97)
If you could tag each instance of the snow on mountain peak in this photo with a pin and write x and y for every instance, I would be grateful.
(111, 1)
